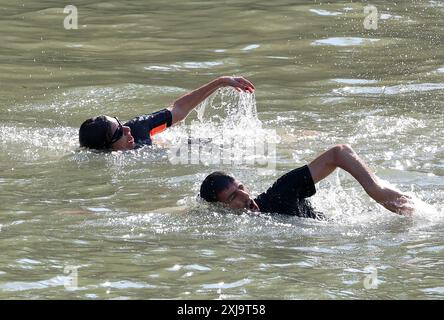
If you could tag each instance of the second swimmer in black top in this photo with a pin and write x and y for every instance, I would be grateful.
(288, 195)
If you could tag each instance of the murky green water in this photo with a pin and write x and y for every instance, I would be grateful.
(129, 223)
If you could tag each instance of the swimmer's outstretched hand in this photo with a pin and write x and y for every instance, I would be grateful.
(238, 83)
(397, 202)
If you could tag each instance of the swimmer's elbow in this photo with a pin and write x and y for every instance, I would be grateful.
(178, 114)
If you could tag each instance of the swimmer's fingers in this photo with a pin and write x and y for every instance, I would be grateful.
(249, 89)
(239, 83)
(407, 205)
(244, 84)
(406, 210)
(402, 206)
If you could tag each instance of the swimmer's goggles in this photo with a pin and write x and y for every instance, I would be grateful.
(117, 134)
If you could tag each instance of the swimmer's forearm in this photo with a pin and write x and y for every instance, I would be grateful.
(183, 105)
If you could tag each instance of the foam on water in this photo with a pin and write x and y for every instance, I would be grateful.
(35, 143)
(374, 126)
(227, 121)
(94, 99)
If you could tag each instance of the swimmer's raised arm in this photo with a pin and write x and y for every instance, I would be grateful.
(183, 105)
(344, 157)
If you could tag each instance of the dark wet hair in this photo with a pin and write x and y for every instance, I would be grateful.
(94, 133)
(213, 184)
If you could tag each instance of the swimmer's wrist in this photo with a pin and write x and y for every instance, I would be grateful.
(223, 81)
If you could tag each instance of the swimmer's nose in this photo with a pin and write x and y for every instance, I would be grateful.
(126, 130)
(244, 194)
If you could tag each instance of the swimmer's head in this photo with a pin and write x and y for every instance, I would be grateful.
(222, 187)
(105, 133)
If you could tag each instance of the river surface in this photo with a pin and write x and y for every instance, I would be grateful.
(76, 224)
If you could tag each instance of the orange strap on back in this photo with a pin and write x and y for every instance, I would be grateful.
(158, 129)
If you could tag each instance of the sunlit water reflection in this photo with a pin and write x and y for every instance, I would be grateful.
(131, 224)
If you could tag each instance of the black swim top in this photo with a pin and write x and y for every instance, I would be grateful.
(287, 195)
(145, 126)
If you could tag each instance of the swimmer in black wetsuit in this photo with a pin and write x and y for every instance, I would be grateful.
(108, 133)
(288, 194)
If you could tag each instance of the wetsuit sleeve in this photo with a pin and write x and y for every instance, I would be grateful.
(160, 121)
(145, 126)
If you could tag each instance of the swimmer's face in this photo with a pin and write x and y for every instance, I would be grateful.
(126, 141)
(237, 196)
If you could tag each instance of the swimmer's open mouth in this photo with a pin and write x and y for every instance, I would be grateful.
(252, 206)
